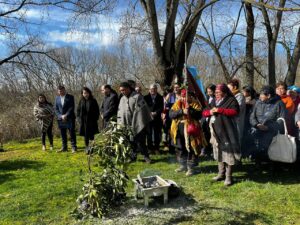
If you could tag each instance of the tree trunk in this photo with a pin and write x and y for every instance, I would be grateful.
(249, 45)
(271, 63)
(294, 61)
(272, 40)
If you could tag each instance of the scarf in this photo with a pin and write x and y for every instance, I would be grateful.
(44, 114)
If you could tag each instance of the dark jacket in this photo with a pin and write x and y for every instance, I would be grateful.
(109, 107)
(155, 106)
(267, 113)
(225, 127)
(87, 116)
(66, 109)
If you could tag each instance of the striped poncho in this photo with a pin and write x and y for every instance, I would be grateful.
(44, 114)
(196, 143)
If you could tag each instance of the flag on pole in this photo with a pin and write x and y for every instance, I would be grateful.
(195, 84)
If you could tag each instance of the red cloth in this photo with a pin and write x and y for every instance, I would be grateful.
(228, 112)
(206, 113)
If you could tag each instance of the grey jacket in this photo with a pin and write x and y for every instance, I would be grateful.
(240, 119)
(134, 112)
(267, 112)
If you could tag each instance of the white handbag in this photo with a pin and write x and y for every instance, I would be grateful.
(283, 147)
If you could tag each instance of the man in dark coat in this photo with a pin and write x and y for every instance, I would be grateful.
(155, 103)
(87, 116)
(109, 107)
(64, 109)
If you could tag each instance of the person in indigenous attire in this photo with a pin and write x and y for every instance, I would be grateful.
(234, 85)
(224, 132)
(44, 114)
(281, 90)
(88, 116)
(186, 134)
(134, 112)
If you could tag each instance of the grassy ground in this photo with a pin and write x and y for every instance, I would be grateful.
(41, 188)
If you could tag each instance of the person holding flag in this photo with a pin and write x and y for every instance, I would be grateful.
(187, 136)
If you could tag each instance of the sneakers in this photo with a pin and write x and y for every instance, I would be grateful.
(44, 148)
(61, 150)
(51, 148)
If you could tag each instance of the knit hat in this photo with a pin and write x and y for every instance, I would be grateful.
(183, 92)
(267, 90)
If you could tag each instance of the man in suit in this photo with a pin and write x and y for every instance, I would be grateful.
(109, 107)
(64, 109)
(155, 103)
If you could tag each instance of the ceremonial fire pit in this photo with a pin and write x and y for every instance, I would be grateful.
(146, 187)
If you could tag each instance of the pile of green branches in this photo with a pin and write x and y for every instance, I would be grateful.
(106, 189)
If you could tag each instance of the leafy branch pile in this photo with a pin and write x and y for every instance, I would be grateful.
(106, 190)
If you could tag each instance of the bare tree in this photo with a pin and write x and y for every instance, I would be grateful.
(229, 63)
(249, 44)
(13, 16)
(169, 43)
(272, 35)
(294, 62)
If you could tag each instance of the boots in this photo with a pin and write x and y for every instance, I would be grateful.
(190, 168)
(221, 172)
(183, 166)
(228, 179)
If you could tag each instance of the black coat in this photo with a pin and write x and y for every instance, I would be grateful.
(225, 127)
(109, 107)
(156, 106)
(88, 115)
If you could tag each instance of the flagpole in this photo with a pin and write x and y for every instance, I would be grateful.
(185, 71)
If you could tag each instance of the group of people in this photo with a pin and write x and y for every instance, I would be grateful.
(227, 125)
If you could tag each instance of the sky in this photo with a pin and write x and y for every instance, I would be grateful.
(53, 26)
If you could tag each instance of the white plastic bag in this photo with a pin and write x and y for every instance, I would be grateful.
(283, 147)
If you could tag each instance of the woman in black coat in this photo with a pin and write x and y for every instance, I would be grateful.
(88, 115)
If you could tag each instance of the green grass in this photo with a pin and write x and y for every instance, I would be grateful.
(41, 188)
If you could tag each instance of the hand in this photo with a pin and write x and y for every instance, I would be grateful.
(262, 127)
(298, 124)
(213, 110)
(153, 113)
(64, 117)
(186, 111)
